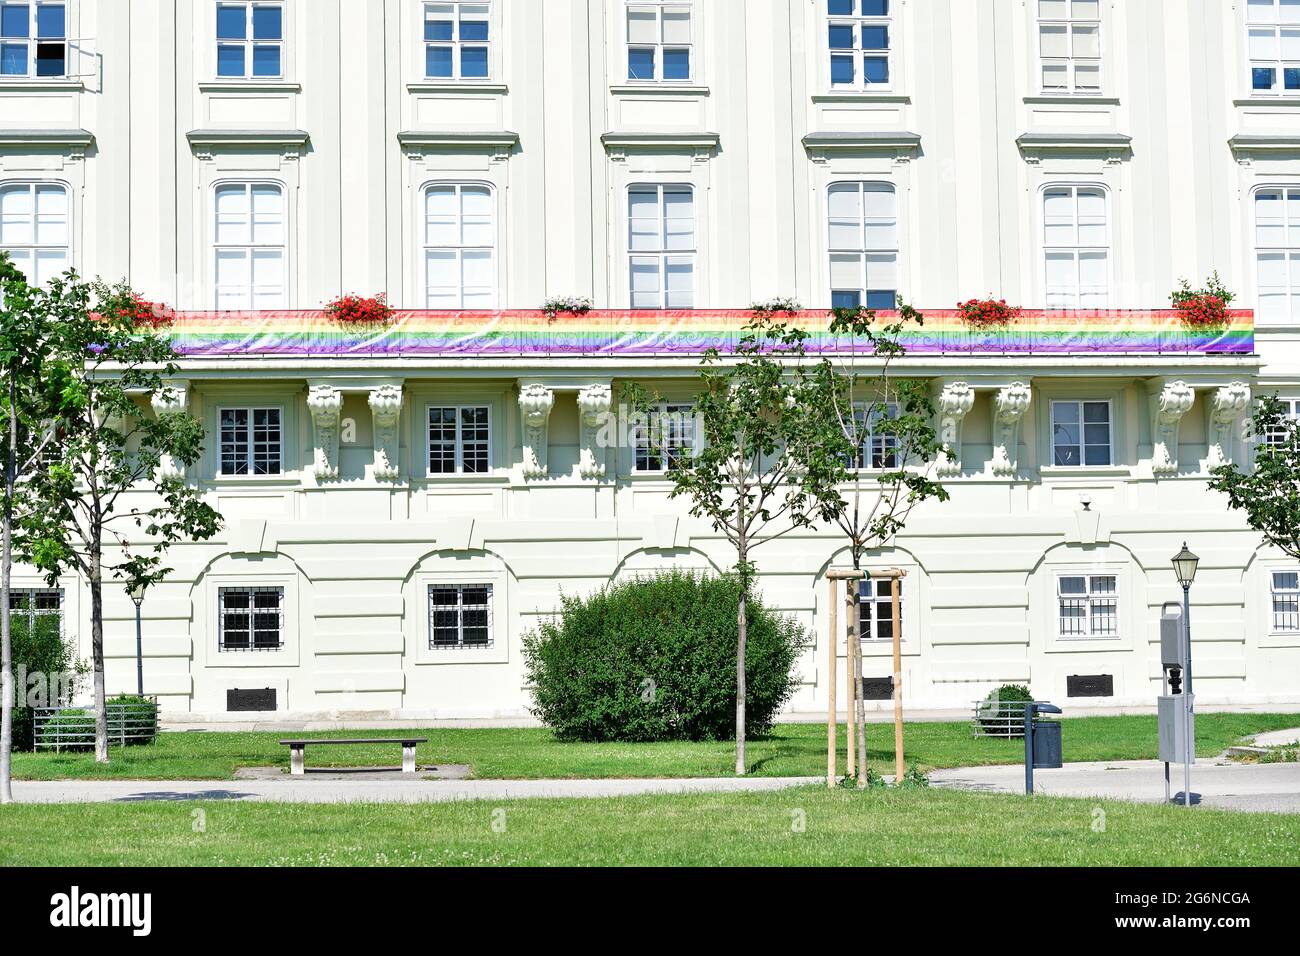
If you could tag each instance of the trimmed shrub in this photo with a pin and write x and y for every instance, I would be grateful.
(655, 659)
(70, 729)
(132, 719)
(1002, 712)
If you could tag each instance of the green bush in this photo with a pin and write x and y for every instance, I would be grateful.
(40, 652)
(655, 659)
(132, 719)
(71, 729)
(1001, 713)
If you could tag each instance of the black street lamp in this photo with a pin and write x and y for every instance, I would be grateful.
(1185, 570)
(136, 594)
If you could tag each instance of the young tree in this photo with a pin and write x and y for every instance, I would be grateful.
(766, 464)
(1267, 492)
(890, 447)
(104, 506)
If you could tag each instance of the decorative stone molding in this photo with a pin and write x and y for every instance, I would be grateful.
(1226, 408)
(171, 398)
(386, 411)
(535, 404)
(1173, 402)
(325, 403)
(700, 146)
(594, 404)
(955, 402)
(497, 144)
(1009, 407)
(289, 143)
(898, 146)
(1111, 148)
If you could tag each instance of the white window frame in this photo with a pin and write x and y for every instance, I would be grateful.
(34, 248)
(864, 252)
(1090, 597)
(1070, 25)
(252, 590)
(1081, 445)
(459, 441)
(461, 248)
(1287, 250)
(1274, 436)
(856, 21)
(1291, 607)
(661, 252)
(1279, 64)
(248, 444)
(683, 437)
(33, 42)
(456, 44)
(250, 248)
(875, 602)
(249, 42)
(865, 455)
(657, 48)
(1077, 250)
(460, 587)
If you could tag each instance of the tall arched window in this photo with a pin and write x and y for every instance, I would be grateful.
(863, 244)
(459, 246)
(34, 222)
(249, 246)
(1076, 247)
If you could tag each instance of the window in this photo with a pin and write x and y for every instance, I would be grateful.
(459, 246)
(659, 41)
(661, 246)
(1076, 246)
(251, 441)
(879, 447)
(250, 619)
(459, 439)
(1081, 433)
(250, 40)
(859, 35)
(457, 41)
(1273, 46)
(1277, 435)
(875, 609)
(33, 39)
(1069, 45)
(1088, 605)
(1277, 253)
(34, 229)
(249, 246)
(669, 434)
(460, 615)
(1284, 588)
(31, 606)
(863, 244)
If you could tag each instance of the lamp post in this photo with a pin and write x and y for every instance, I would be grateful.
(136, 594)
(1185, 570)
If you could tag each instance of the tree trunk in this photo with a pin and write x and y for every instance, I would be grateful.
(6, 625)
(97, 651)
(741, 635)
(860, 704)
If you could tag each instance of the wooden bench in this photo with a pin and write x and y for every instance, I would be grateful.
(297, 749)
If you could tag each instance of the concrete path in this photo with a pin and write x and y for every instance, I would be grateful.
(1229, 786)
(1277, 738)
(372, 791)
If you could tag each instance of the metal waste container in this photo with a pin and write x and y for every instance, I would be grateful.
(1047, 744)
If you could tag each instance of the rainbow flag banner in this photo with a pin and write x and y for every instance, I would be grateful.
(685, 332)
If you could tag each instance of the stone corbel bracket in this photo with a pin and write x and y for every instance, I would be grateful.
(1009, 407)
(1172, 403)
(1226, 408)
(172, 398)
(594, 404)
(955, 402)
(386, 411)
(325, 402)
(535, 404)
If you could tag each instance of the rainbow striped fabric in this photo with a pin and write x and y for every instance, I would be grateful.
(689, 332)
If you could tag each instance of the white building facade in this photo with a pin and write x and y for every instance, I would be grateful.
(401, 509)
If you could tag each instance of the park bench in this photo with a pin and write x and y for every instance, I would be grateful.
(297, 749)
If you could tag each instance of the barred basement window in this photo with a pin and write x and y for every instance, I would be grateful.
(1285, 588)
(460, 616)
(1088, 605)
(251, 441)
(459, 439)
(250, 619)
(669, 434)
(876, 609)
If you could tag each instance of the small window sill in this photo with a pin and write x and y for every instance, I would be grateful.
(861, 96)
(1070, 99)
(1290, 100)
(38, 84)
(656, 88)
(249, 86)
(1285, 639)
(1085, 471)
(260, 481)
(468, 87)
(432, 481)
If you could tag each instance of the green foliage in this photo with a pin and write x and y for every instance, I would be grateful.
(46, 670)
(655, 659)
(914, 778)
(133, 718)
(1011, 692)
(71, 729)
(1267, 493)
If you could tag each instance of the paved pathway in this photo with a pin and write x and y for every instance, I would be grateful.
(1231, 786)
(375, 791)
(1277, 738)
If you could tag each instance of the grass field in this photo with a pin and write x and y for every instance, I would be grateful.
(878, 827)
(791, 750)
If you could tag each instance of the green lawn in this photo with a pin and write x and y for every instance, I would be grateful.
(875, 828)
(791, 750)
